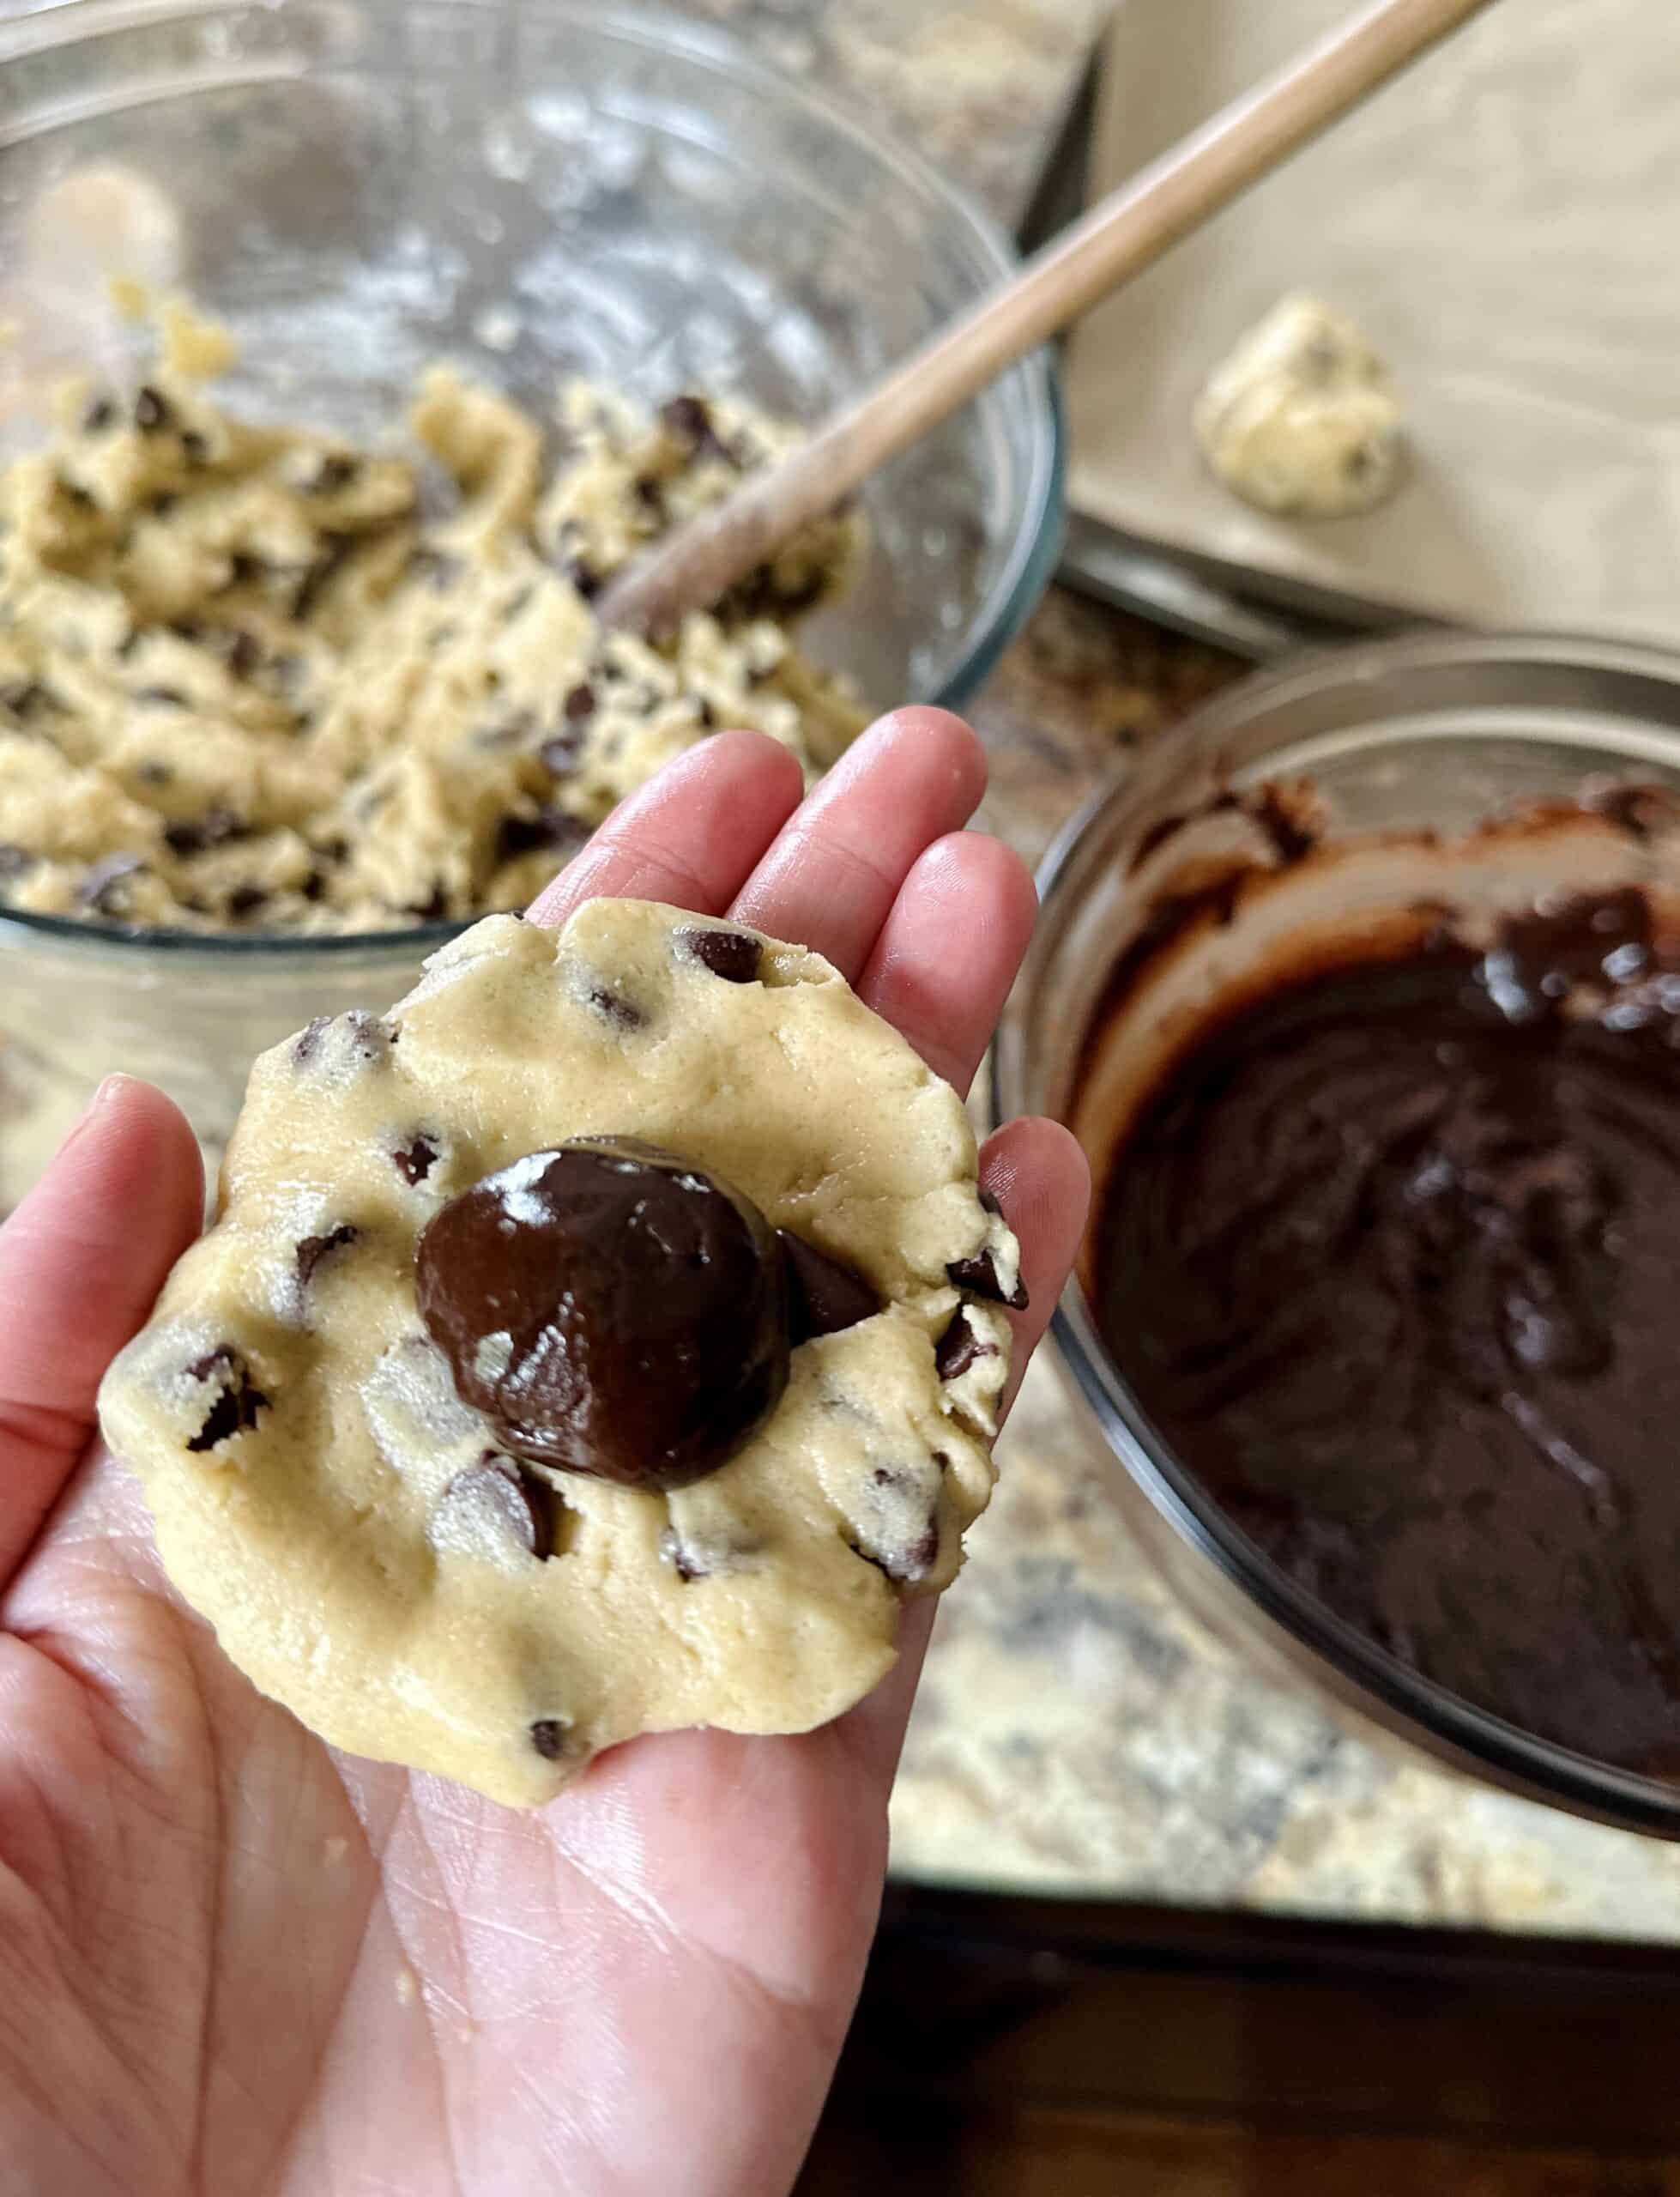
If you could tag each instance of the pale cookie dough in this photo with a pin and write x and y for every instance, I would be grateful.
(251, 679)
(1302, 419)
(319, 1485)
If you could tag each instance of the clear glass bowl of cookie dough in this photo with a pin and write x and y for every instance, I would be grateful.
(1431, 733)
(356, 187)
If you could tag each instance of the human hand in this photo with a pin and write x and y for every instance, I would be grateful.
(234, 1962)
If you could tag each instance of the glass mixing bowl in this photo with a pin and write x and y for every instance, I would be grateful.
(357, 186)
(1423, 734)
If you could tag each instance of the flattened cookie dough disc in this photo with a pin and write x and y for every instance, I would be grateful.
(366, 1548)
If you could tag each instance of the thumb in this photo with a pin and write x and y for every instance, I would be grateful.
(80, 1261)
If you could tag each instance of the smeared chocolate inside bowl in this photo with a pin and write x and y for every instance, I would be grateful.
(1388, 1250)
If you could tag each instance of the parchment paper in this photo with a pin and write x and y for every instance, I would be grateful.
(1505, 223)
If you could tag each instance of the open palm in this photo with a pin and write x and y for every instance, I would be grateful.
(233, 1961)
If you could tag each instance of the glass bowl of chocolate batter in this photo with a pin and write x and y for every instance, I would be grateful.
(1362, 994)
(356, 187)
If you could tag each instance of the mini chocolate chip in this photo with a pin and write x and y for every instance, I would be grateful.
(191, 630)
(335, 472)
(152, 410)
(192, 835)
(979, 1274)
(584, 577)
(688, 418)
(246, 899)
(100, 415)
(707, 715)
(580, 703)
(243, 652)
(548, 829)
(825, 1295)
(525, 1503)
(314, 885)
(194, 448)
(682, 1560)
(244, 570)
(615, 1008)
(960, 1348)
(365, 1036)
(238, 1401)
(81, 496)
(433, 908)
(434, 565)
(24, 698)
(163, 503)
(648, 494)
(415, 1161)
(313, 1249)
(100, 883)
(321, 575)
(549, 1738)
(734, 955)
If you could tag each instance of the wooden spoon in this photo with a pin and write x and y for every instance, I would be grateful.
(1121, 235)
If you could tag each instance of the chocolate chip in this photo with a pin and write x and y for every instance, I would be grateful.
(320, 575)
(314, 885)
(980, 1275)
(414, 1161)
(441, 570)
(242, 652)
(549, 1738)
(163, 503)
(523, 1503)
(194, 448)
(190, 630)
(687, 1565)
(734, 955)
(193, 835)
(100, 888)
(365, 1036)
(237, 1399)
(152, 410)
(579, 704)
(433, 908)
(335, 472)
(584, 577)
(313, 1249)
(549, 828)
(825, 1295)
(689, 419)
(906, 1561)
(81, 496)
(100, 415)
(26, 698)
(707, 715)
(616, 1009)
(649, 494)
(960, 1348)
(246, 899)
(244, 570)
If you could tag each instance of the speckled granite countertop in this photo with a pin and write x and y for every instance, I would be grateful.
(1076, 1730)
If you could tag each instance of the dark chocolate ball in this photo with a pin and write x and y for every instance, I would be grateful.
(611, 1309)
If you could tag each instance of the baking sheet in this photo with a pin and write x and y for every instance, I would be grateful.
(1504, 223)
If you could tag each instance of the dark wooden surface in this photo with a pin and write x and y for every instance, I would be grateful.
(1028, 2046)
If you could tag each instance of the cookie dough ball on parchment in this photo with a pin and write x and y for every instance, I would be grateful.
(609, 1339)
(1302, 419)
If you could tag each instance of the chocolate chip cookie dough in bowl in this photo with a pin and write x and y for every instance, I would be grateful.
(609, 1339)
(1361, 995)
(530, 194)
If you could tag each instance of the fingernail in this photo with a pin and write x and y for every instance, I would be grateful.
(108, 1090)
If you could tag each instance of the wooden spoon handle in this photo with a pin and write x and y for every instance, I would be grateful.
(1122, 234)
